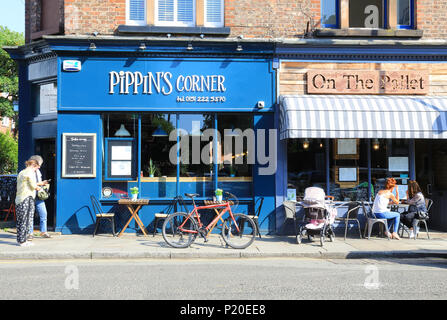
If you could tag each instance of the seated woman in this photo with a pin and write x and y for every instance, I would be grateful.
(380, 207)
(416, 200)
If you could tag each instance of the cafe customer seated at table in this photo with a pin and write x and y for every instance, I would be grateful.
(417, 203)
(381, 210)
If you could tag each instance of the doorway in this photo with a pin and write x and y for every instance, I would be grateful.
(431, 174)
(46, 148)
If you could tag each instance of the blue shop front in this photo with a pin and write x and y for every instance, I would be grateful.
(159, 117)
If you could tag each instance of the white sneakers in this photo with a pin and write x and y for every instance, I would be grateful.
(414, 234)
(26, 244)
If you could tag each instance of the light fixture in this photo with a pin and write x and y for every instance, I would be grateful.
(239, 47)
(122, 132)
(306, 144)
(159, 132)
(92, 46)
(376, 144)
(189, 47)
(142, 46)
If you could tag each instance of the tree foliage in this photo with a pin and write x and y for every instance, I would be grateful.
(9, 81)
(8, 154)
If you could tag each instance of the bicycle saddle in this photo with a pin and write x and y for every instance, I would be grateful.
(191, 195)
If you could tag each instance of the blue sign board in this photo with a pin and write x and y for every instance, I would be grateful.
(183, 84)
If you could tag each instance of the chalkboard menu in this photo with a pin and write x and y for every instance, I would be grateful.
(78, 155)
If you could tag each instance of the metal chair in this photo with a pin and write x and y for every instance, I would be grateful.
(12, 208)
(255, 216)
(351, 215)
(371, 219)
(416, 222)
(100, 215)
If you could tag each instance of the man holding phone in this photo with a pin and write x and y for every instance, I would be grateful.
(40, 204)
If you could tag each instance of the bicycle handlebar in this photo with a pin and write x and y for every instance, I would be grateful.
(232, 196)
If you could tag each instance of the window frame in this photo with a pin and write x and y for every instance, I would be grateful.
(337, 16)
(412, 24)
(175, 22)
(136, 22)
(222, 16)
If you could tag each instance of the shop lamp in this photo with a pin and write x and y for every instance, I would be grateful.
(122, 132)
(376, 144)
(92, 46)
(159, 132)
(239, 47)
(306, 144)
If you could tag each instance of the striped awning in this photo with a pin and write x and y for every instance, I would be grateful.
(392, 117)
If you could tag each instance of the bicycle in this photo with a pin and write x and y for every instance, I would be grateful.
(180, 229)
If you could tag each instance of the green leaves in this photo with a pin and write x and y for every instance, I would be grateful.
(8, 154)
(9, 81)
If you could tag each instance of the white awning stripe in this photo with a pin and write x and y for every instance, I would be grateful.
(392, 117)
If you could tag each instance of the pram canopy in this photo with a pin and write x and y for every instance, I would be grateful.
(314, 197)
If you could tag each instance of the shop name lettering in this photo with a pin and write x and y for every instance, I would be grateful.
(367, 82)
(126, 82)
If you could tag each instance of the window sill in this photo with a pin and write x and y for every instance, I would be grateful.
(126, 29)
(361, 32)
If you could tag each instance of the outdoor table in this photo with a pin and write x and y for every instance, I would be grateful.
(216, 210)
(134, 206)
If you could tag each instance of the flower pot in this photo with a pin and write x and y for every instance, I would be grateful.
(151, 175)
(134, 196)
(219, 198)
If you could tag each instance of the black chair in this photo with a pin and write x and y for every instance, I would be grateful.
(160, 216)
(100, 215)
(255, 216)
(289, 214)
(351, 215)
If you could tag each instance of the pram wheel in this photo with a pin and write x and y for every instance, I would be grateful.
(322, 240)
(332, 238)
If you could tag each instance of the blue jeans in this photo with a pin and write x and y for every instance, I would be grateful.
(42, 210)
(393, 219)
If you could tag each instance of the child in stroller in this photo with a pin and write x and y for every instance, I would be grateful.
(319, 216)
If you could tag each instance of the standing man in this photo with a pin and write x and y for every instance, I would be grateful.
(40, 204)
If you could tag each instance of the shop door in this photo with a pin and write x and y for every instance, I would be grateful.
(46, 149)
(431, 174)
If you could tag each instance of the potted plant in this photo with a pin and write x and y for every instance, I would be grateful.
(152, 168)
(232, 171)
(219, 193)
(134, 192)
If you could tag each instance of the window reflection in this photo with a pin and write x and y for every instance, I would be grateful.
(155, 145)
(403, 12)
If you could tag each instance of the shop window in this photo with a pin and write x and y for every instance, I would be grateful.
(306, 164)
(136, 12)
(155, 146)
(236, 135)
(329, 13)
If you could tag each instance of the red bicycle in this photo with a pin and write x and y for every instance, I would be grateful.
(180, 229)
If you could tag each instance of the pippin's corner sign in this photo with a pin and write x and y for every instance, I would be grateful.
(367, 82)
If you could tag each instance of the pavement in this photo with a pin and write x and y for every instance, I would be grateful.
(132, 246)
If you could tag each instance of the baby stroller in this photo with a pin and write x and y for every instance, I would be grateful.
(319, 216)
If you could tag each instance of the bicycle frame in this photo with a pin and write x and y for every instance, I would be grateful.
(195, 212)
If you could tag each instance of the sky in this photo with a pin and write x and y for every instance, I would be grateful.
(12, 14)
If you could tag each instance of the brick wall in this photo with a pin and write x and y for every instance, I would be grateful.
(251, 18)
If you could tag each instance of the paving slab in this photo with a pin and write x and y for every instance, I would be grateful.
(131, 246)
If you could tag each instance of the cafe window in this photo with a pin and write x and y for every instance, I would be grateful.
(175, 12)
(329, 13)
(156, 146)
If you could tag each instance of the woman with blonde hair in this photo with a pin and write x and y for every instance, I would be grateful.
(380, 207)
(25, 206)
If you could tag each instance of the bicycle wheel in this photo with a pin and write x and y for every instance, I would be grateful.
(176, 237)
(240, 232)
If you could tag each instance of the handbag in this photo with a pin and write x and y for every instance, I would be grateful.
(422, 215)
(44, 193)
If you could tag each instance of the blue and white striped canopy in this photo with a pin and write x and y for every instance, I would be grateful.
(335, 116)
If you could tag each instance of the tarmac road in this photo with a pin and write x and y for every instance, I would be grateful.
(229, 279)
